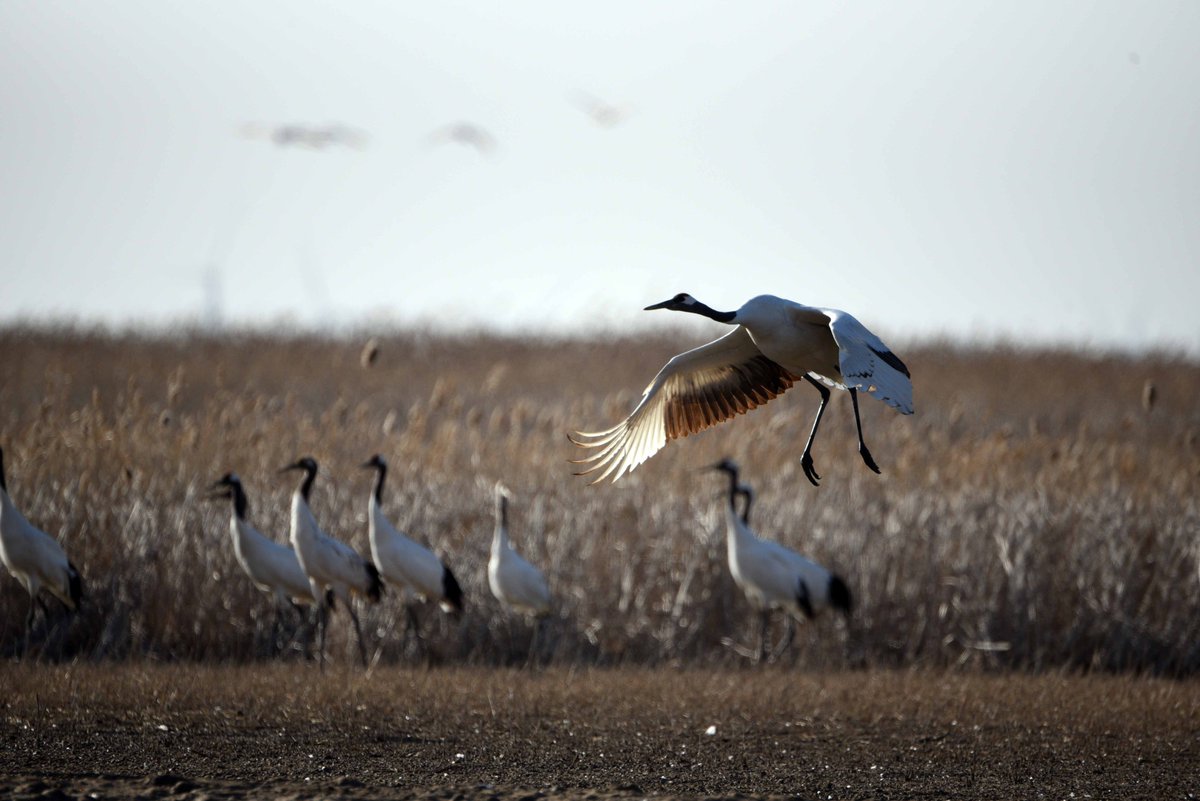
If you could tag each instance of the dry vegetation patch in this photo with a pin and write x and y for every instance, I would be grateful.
(1033, 513)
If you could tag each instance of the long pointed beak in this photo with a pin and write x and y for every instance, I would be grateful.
(369, 465)
(289, 468)
(662, 305)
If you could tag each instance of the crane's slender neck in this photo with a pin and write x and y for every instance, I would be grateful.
(749, 496)
(380, 475)
(3, 483)
(500, 537)
(306, 485)
(696, 307)
(733, 487)
(240, 505)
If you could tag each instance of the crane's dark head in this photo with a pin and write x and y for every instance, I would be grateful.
(309, 466)
(306, 463)
(227, 481)
(229, 486)
(685, 302)
(681, 302)
(376, 462)
(727, 465)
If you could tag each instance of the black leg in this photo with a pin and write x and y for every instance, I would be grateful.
(806, 461)
(862, 446)
(322, 622)
(415, 624)
(786, 640)
(362, 646)
(764, 620)
(30, 619)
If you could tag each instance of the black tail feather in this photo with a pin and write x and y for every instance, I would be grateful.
(452, 596)
(374, 583)
(839, 596)
(804, 601)
(75, 584)
(331, 598)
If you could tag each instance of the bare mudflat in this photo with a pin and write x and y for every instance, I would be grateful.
(287, 731)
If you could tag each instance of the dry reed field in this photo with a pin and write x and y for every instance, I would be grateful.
(1032, 514)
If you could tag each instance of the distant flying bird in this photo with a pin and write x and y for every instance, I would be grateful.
(370, 353)
(35, 559)
(313, 137)
(771, 575)
(1149, 395)
(606, 115)
(776, 343)
(407, 565)
(329, 564)
(273, 567)
(465, 133)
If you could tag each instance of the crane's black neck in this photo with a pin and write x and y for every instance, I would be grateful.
(749, 496)
(241, 506)
(696, 307)
(3, 483)
(733, 485)
(380, 475)
(502, 511)
(310, 474)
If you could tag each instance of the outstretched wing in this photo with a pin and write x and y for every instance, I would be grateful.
(868, 364)
(693, 391)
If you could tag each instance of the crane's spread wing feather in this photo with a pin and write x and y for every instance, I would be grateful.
(695, 390)
(868, 364)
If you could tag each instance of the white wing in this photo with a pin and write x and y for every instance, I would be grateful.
(868, 364)
(695, 390)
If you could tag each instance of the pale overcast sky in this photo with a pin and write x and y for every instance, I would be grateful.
(1021, 170)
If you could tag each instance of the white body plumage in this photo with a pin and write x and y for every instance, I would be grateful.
(513, 580)
(33, 557)
(405, 564)
(272, 566)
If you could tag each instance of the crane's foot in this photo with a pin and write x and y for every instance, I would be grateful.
(867, 459)
(810, 472)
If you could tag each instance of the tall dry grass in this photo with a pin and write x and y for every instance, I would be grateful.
(1032, 514)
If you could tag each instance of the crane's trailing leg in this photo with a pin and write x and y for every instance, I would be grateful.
(362, 646)
(806, 461)
(764, 620)
(862, 446)
(786, 640)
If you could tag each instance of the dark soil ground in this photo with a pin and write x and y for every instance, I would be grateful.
(288, 731)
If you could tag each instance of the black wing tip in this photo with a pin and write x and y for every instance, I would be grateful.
(839, 596)
(374, 583)
(451, 591)
(75, 584)
(893, 361)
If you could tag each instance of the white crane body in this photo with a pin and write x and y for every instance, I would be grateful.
(775, 343)
(513, 580)
(771, 575)
(407, 565)
(329, 564)
(35, 559)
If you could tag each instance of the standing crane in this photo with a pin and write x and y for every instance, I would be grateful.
(772, 576)
(274, 568)
(329, 564)
(515, 582)
(35, 559)
(776, 343)
(405, 564)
